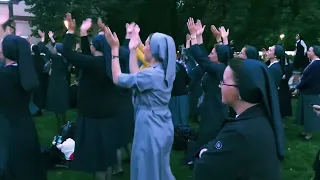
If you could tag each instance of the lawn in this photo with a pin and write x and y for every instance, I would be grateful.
(297, 164)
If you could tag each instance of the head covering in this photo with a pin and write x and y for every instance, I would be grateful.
(163, 48)
(100, 43)
(260, 88)
(251, 52)
(316, 50)
(17, 49)
(223, 52)
(280, 54)
(59, 47)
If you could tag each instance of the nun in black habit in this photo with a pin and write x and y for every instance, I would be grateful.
(39, 94)
(249, 52)
(57, 94)
(212, 111)
(95, 149)
(251, 145)
(21, 150)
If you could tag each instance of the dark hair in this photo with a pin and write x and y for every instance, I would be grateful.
(316, 50)
(236, 64)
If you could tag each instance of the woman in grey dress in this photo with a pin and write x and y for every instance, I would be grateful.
(153, 136)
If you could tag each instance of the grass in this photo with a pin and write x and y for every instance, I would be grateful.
(297, 164)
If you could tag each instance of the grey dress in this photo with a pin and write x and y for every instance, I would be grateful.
(154, 132)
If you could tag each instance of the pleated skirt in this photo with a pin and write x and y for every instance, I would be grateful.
(305, 115)
(95, 145)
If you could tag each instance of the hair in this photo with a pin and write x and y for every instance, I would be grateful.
(316, 50)
(251, 52)
(236, 64)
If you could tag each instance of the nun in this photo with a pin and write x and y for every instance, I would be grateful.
(154, 132)
(57, 95)
(179, 102)
(276, 58)
(251, 145)
(249, 52)
(95, 149)
(39, 95)
(309, 91)
(18, 78)
(212, 111)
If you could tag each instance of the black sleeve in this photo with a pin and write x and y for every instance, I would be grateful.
(204, 62)
(85, 45)
(195, 76)
(223, 159)
(80, 60)
(44, 49)
(203, 50)
(126, 43)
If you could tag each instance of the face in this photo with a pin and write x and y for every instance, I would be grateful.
(147, 53)
(297, 37)
(310, 53)
(213, 56)
(242, 54)
(270, 53)
(230, 93)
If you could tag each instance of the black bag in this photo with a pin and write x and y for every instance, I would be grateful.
(316, 166)
(68, 131)
(182, 135)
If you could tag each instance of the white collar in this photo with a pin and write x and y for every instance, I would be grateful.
(272, 63)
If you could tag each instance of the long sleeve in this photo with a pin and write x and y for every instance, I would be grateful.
(304, 46)
(204, 62)
(126, 43)
(45, 50)
(140, 56)
(80, 60)
(222, 160)
(305, 79)
(203, 50)
(85, 45)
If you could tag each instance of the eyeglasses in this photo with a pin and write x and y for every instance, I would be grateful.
(224, 84)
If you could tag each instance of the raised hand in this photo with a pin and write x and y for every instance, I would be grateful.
(71, 22)
(112, 38)
(188, 38)
(192, 27)
(50, 34)
(216, 33)
(223, 32)
(86, 25)
(129, 30)
(135, 38)
(41, 34)
(101, 25)
(200, 28)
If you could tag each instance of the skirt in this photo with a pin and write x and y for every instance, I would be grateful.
(179, 107)
(95, 148)
(305, 115)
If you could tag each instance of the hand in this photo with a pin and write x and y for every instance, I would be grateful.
(71, 22)
(188, 38)
(316, 109)
(284, 77)
(192, 27)
(200, 28)
(50, 34)
(41, 34)
(216, 33)
(135, 38)
(129, 29)
(295, 92)
(223, 32)
(202, 151)
(86, 25)
(112, 38)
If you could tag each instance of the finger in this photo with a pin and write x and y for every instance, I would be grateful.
(115, 36)
(127, 25)
(204, 26)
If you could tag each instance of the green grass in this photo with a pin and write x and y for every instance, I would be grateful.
(297, 164)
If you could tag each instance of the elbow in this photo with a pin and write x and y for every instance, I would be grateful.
(116, 77)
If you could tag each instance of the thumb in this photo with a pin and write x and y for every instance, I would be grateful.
(204, 26)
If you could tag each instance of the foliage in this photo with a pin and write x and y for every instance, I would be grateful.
(253, 22)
